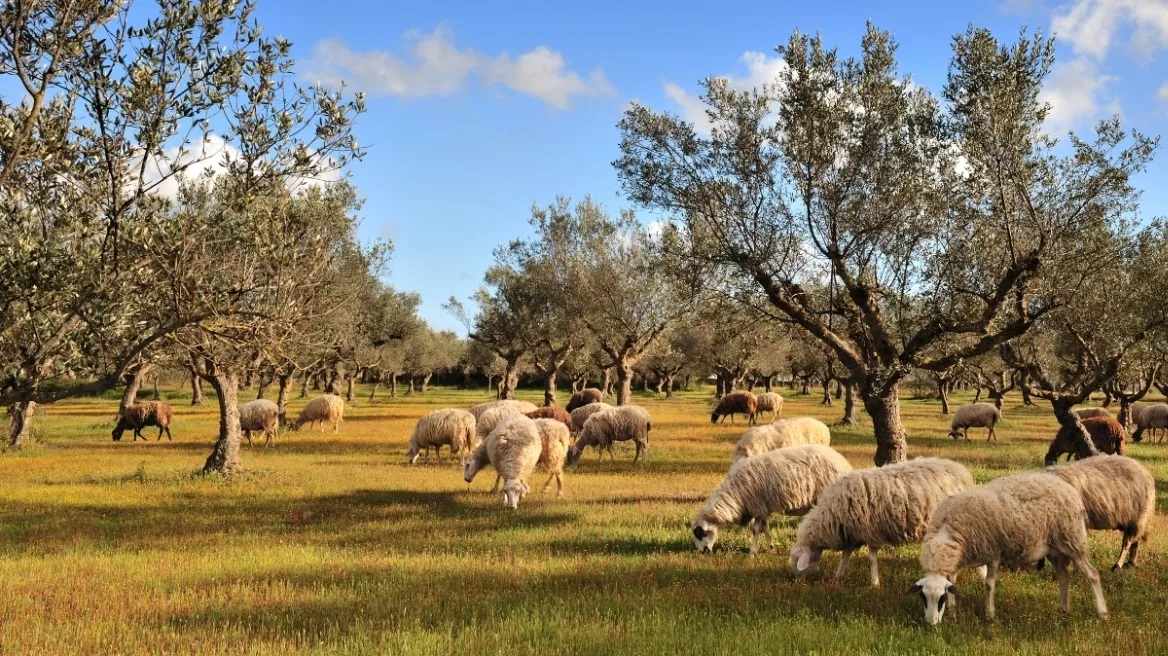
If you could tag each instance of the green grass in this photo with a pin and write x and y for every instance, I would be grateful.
(332, 545)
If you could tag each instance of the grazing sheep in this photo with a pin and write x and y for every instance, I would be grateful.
(769, 402)
(555, 440)
(975, 415)
(1135, 416)
(1085, 413)
(883, 506)
(493, 416)
(581, 414)
(787, 481)
(783, 433)
(584, 397)
(329, 407)
(552, 412)
(523, 406)
(1151, 417)
(1107, 434)
(1018, 520)
(1119, 494)
(260, 415)
(619, 424)
(141, 415)
(513, 449)
(449, 427)
(735, 403)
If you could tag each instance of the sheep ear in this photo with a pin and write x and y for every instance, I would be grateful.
(804, 560)
(915, 589)
(699, 532)
(952, 589)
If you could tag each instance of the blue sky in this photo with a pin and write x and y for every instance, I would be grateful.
(477, 109)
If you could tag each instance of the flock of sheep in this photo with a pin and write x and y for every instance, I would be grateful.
(788, 467)
(261, 415)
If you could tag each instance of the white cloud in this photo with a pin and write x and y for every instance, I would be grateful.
(207, 157)
(1075, 91)
(760, 70)
(1162, 94)
(435, 66)
(1092, 25)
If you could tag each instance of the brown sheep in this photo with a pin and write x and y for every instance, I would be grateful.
(584, 397)
(552, 412)
(742, 403)
(140, 415)
(1107, 434)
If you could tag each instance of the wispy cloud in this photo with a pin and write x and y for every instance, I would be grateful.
(760, 70)
(1077, 93)
(434, 66)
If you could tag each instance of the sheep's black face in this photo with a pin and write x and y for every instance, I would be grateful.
(704, 537)
(574, 454)
(714, 418)
(934, 591)
(117, 434)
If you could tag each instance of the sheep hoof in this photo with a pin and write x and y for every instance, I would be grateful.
(1104, 616)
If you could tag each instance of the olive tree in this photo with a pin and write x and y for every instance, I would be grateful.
(937, 222)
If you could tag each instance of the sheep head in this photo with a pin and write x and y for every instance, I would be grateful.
(705, 535)
(935, 591)
(805, 559)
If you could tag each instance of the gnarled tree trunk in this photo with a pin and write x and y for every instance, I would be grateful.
(883, 407)
(849, 418)
(224, 458)
(20, 422)
(282, 382)
(393, 385)
(196, 387)
(624, 380)
(349, 394)
(133, 385)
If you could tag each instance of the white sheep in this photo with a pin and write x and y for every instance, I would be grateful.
(491, 418)
(882, 506)
(523, 406)
(513, 449)
(449, 427)
(581, 414)
(260, 415)
(555, 441)
(619, 424)
(769, 402)
(1014, 520)
(1084, 413)
(1119, 494)
(329, 407)
(787, 481)
(783, 433)
(1150, 417)
(975, 415)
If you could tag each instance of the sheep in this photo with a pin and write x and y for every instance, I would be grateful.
(883, 506)
(975, 415)
(787, 481)
(329, 407)
(622, 423)
(551, 412)
(523, 406)
(1017, 519)
(141, 415)
(783, 433)
(1085, 413)
(581, 414)
(513, 449)
(260, 415)
(741, 402)
(769, 402)
(493, 416)
(1135, 416)
(450, 427)
(1151, 417)
(584, 397)
(555, 440)
(1119, 494)
(1107, 434)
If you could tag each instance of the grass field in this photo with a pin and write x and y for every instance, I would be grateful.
(332, 545)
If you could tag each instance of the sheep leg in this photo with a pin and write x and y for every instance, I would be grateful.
(1085, 566)
(548, 484)
(1062, 572)
(1124, 550)
(845, 556)
(991, 582)
(756, 527)
(1131, 557)
(559, 485)
(138, 433)
(495, 487)
(993, 435)
(873, 569)
(246, 435)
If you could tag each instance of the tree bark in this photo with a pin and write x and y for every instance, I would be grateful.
(1067, 418)
(1026, 399)
(196, 387)
(943, 394)
(224, 458)
(1108, 398)
(607, 380)
(20, 422)
(669, 386)
(826, 393)
(549, 386)
(282, 383)
(265, 382)
(425, 384)
(510, 379)
(624, 379)
(770, 383)
(849, 418)
(376, 384)
(157, 396)
(304, 385)
(349, 382)
(316, 381)
(333, 386)
(409, 385)
(884, 408)
(133, 385)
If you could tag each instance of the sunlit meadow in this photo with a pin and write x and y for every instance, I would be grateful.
(331, 544)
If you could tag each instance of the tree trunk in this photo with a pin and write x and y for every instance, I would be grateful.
(1124, 416)
(393, 385)
(669, 386)
(376, 384)
(1108, 398)
(510, 378)
(770, 383)
(425, 384)
(849, 418)
(645, 384)
(943, 394)
(549, 386)
(806, 386)
(20, 423)
(247, 379)
(282, 383)
(133, 384)
(1067, 418)
(1026, 400)
(265, 382)
(719, 386)
(839, 390)
(826, 393)
(410, 385)
(196, 387)
(333, 386)
(224, 457)
(891, 445)
(304, 385)
(977, 396)
(157, 396)
(607, 380)
(316, 381)
(660, 387)
(349, 382)
(624, 380)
